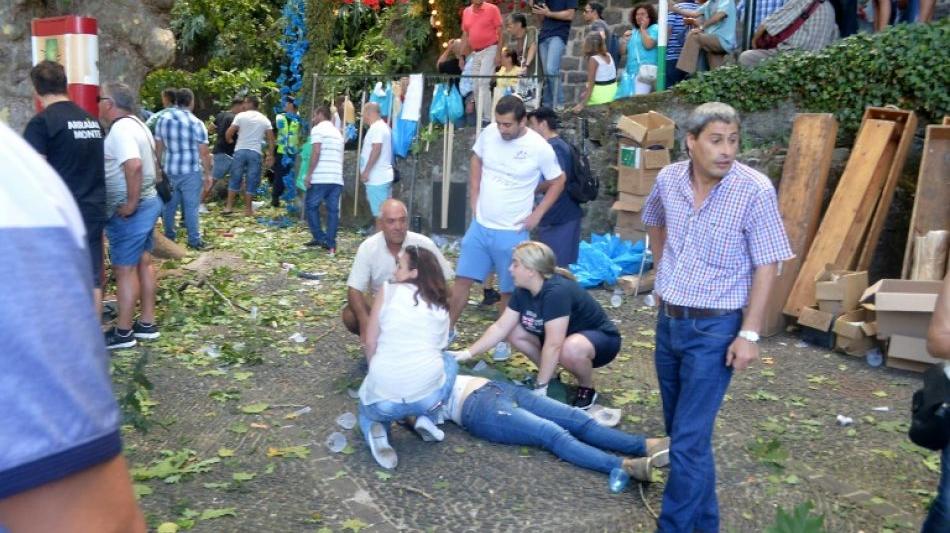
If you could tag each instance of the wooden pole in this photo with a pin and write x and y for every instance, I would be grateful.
(359, 148)
(447, 173)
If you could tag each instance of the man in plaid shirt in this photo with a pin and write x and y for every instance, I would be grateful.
(818, 31)
(181, 144)
(717, 238)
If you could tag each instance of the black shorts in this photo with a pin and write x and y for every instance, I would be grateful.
(606, 346)
(94, 241)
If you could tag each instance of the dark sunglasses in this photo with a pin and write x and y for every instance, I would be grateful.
(101, 98)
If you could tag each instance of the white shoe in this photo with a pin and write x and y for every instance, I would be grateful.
(384, 454)
(257, 205)
(202, 209)
(502, 352)
(427, 430)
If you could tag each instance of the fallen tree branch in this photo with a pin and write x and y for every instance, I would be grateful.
(412, 489)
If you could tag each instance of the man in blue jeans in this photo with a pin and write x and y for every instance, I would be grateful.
(181, 142)
(324, 179)
(717, 238)
(552, 41)
(938, 344)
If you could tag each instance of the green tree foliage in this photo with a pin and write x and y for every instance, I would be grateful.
(907, 66)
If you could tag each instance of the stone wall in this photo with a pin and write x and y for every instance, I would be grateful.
(133, 39)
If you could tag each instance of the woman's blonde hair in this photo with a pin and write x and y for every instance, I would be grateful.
(539, 257)
(594, 45)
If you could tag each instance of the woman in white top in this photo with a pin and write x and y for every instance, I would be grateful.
(601, 73)
(408, 374)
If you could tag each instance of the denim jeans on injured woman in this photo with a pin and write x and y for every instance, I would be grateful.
(507, 414)
(389, 411)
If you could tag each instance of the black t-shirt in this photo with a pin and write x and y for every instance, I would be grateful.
(560, 297)
(72, 142)
(557, 28)
(221, 124)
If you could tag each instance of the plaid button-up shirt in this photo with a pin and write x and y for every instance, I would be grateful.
(711, 253)
(181, 132)
(816, 33)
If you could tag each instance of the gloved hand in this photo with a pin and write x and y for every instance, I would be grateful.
(460, 355)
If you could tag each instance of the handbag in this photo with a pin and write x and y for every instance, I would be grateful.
(930, 410)
(645, 73)
(162, 187)
(529, 87)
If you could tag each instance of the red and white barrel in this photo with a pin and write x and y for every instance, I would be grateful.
(72, 41)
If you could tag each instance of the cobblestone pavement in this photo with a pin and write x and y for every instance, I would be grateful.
(776, 444)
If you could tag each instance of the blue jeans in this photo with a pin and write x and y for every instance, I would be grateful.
(693, 377)
(186, 191)
(552, 51)
(938, 519)
(329, 194)
(130, 237)
(245, 162)
(507, 414)
(221, 166)
(390, 411)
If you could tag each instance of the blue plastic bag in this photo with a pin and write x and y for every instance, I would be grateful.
(404, 132)
(605, 258)
(455, 105)
(383, 97)
(625, 87)
(438, 109)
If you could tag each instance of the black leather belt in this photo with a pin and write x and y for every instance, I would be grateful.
(608, 82)
(678, 311)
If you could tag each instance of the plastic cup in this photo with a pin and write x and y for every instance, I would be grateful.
(336, 442)
(346, 420)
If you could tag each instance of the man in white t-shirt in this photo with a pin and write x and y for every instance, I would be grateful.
(375, 262)
(507, 160)
(325, 182)
(251, 128)
(376, 159)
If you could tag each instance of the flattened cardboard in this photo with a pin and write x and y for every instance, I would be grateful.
(910, 348)
(903, 307)
(816, 319)
(636, 180)
(648, 129)
(655, 159)
(629, 283)
(839, 291)
(852, 337)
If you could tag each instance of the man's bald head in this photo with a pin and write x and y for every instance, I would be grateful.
(393, 221)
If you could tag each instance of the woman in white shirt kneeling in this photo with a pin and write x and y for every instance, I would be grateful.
(408, 374)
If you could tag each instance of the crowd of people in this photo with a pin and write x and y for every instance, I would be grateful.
(717, 249)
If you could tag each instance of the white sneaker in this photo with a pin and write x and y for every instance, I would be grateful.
(383, 452)
(202, 209)
(502, 352)
(428, 430)
(257, 205)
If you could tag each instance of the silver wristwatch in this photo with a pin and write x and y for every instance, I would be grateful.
(749, 335)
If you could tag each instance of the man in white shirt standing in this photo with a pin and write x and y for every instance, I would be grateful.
(251, 128)
(325, 182)
(507, 160)
(375, 263)
(376, 159)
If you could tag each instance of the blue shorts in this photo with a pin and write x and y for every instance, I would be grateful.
(130, 237)
(484, 250)
(245, 162)
(221, 166)
(377, 194)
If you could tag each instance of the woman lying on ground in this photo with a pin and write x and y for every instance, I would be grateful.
(508, 414)
(553, 320)
(408, 374)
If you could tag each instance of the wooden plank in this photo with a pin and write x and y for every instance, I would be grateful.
(932, 199)
(838, 240)
(904, 135)
(800, 195)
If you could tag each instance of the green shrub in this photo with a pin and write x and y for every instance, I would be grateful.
(213, 86)
(907, 66)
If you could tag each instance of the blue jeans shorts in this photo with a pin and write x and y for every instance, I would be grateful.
(485, 249)
(130, 237)
(245, 163)
(377, 194)
(221, 166)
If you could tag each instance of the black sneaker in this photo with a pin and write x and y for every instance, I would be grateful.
(115, 339)
(586, 397)
(200, 245)
(142, 330)
(490, 297)
(314, 243)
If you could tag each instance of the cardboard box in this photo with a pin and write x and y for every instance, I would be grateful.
(839, 291)
(629, 284)
(629, 221)
(854, 332)
(655, 159)
(636, 180)
(909, 348)
(631, 235)
(816, 319)
(633, 204)
(634, 199)
(648, 129)
(903, 307)
(628, 155)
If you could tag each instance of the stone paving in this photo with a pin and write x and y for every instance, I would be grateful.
(776, 444)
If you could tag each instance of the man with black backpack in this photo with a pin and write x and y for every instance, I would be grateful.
(931, 412)
(560, 228)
